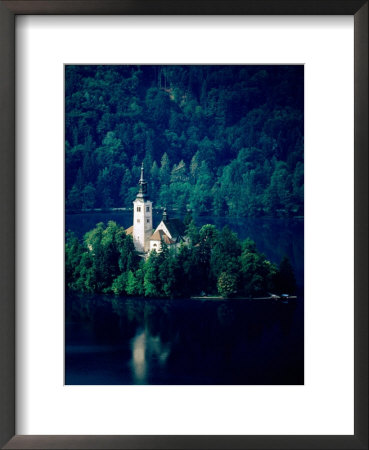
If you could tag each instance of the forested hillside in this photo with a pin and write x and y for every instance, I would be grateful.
(220, 139)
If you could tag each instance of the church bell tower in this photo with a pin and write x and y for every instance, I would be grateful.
(142, 217)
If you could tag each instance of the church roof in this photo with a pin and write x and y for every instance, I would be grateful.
(175, 227)
(129, 230)
(159, 235)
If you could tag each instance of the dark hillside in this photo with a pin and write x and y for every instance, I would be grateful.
(226, 139)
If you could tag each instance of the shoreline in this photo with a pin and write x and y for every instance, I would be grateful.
(160, 210)
(218, 298)
(215, 298)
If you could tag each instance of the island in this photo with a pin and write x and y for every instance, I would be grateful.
(176, 260)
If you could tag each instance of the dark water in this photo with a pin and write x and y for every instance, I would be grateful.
(136, 341)
(274, 237)
(112, 340)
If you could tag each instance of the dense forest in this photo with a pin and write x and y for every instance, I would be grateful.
(213, 261)
(222, 139)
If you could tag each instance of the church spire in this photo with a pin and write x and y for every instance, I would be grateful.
(165, 215)
(142, 172)
(142, 192)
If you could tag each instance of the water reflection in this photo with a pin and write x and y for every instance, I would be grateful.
(138, 357)
(146, 348)
(158, 341)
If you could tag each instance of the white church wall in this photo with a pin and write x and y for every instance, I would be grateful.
(155, 245)
(162, 226)
(142, 224)
(147, 224)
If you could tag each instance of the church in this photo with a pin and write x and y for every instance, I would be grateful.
(169, 231)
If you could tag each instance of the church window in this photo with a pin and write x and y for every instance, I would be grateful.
(154, 245)
(138, 220)
(148, 220)
(147, 208)
(138, 208)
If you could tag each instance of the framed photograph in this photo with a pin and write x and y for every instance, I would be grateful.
(186, 295)
(188, 239)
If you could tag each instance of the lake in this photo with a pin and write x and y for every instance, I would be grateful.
(122, 341)
(115, 341)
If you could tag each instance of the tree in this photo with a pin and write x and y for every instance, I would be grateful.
(140, 277)
(193, 233)
(226, 252)
(104, 189)
(73, 254)
(111, 254)
(119, 284)
(128, 258)
(111, 150)
(151, 277)
(89, 196)
(194, 167)
(257, 273)
(74, 200)
(227, 284)
(187, 218)
(185, 272)
(164, 171)
(278, 196)
(179, 172)
(207, 239)
(131, 284)
(124, 195)
(158, 104)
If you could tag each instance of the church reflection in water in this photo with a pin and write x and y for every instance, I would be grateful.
(143, 344)
(140, 341)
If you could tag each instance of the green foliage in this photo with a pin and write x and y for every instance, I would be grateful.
(210, 261)
(88, 196)
(106, 254)
(131, 284)
(192, 232)
(74, 200)
(257, 273)
(120, 284)
(226, 139)
(227, 284)
(151, 276)
(73, 254)
(225, 253)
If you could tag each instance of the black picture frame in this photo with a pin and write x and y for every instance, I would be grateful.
(8, 12)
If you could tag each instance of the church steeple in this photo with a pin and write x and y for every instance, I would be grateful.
(142, 192)
(142, 217)
(165, 215)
